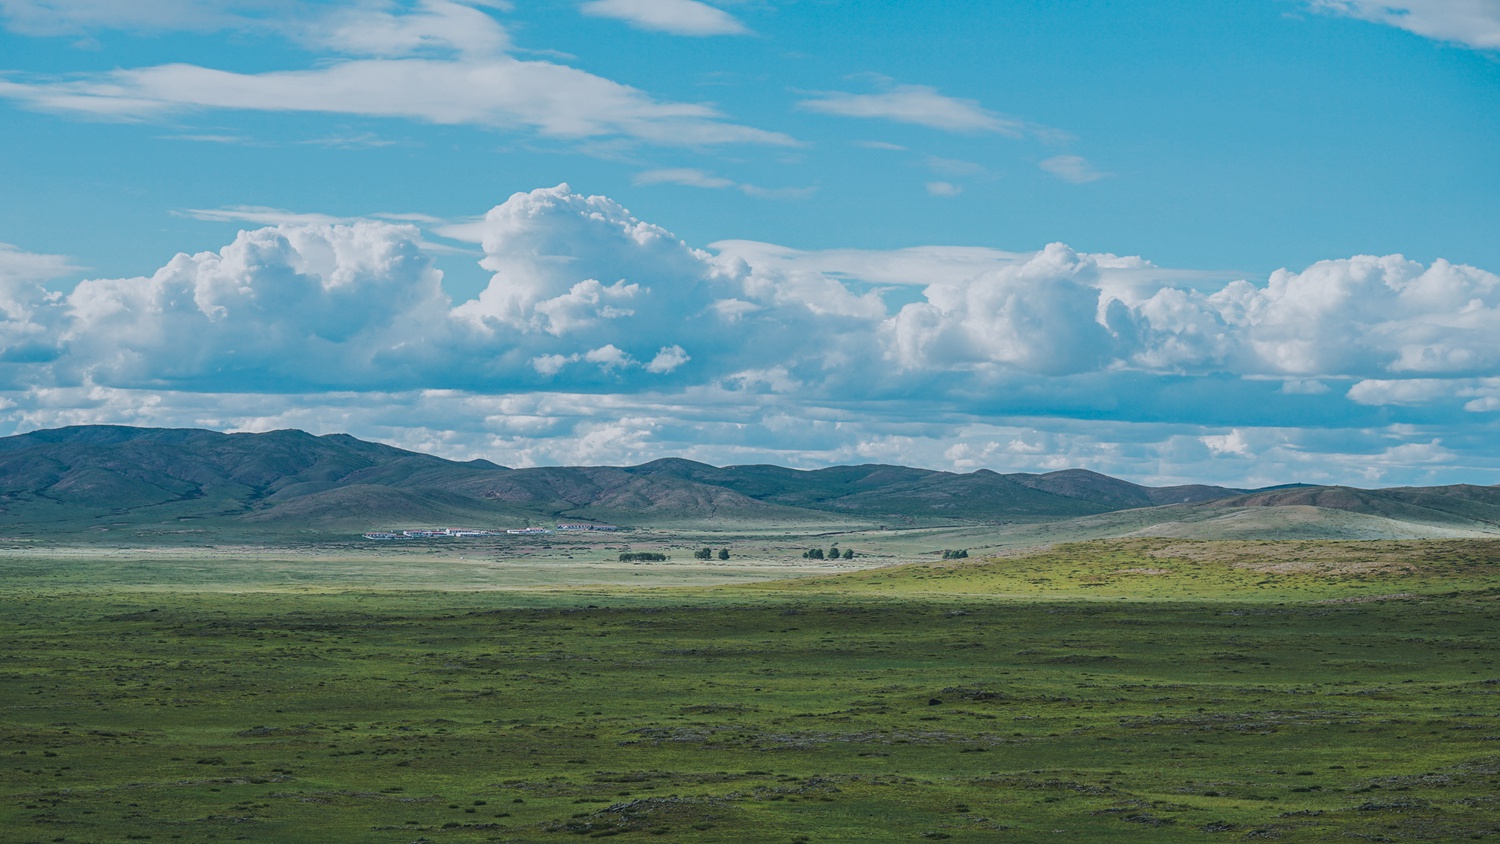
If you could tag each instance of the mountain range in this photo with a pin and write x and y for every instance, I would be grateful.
(100, 477)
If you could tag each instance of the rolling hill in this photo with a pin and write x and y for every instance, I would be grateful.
(87, 478)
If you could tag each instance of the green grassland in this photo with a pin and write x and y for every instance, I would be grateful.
(1122, 690)
(1194, 570)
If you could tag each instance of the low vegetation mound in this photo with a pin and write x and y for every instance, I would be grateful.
(1175, 569)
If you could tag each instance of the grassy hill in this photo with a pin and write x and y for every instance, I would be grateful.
(86, 478)
(116, 479)
(1168, 569)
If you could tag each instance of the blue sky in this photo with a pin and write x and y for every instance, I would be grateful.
(1238, 242)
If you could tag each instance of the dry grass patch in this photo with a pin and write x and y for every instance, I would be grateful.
(1342, 557)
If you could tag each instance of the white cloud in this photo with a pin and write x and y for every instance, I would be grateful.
(17, 265)
(295, 305)
(917, 104)
(954, 166)
(913, 266)
(1233, 443)
(573, 274)
(943, 189)
(1304, 387)
(884, 146)
(1417, 391)
(694, 178)
(435, 25)
(361, 140)
(551, 250)
(685, 176)
(236, 140)
(790, 193)
(795, 355)
(27, 311)
(609, 357)
(1363, 316)
(441, 62)
(72, 17)
(1072, 168)
(260, 215)
(1472, 23)
(551, 364)
(1040, 316)
(676, 17)
(667, 359)
(499, 92)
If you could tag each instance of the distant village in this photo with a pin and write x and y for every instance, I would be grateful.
(444, 533)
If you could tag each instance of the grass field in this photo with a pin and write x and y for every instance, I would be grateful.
(1145, 690)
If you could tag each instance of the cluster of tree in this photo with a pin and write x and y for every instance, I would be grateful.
(642, 557)
(833, 554)
(960, 554)
(708, 554)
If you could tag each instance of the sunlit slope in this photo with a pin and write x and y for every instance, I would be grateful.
(1339, 518)
(1172, 569)
(1457, 504)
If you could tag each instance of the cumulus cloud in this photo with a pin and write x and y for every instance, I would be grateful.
(293, 305)
(676, 17)
(1040, 316)
(943, 189)
(569, 267)
(573, 274)
(667, 359)
(914, 266)
(1472, 23)
(28, 312)
(441, 62)
(1361, 316)
(825, 355)
(608, 357)
(551, 252)
(1233, 443)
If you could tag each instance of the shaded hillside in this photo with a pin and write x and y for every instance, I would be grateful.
(893, 492)
(624, 495)
(1115, 494)
(95, 474)
(84, 477)
(94, 477)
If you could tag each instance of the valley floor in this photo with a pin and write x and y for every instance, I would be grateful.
(1143, 691)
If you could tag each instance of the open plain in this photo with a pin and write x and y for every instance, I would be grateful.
(1120, 690)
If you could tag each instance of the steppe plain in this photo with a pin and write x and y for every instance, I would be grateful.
(1118, 689)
